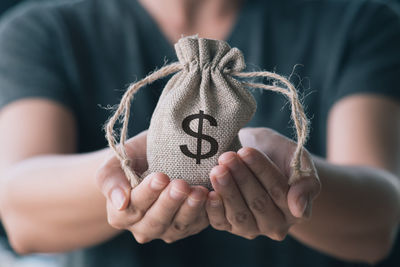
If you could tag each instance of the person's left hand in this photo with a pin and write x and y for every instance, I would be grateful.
(252, 196)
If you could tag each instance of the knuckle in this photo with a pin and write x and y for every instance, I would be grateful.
(239, 218)
(259, 204)
(168, 240)
(156, 225)
(278, 234)
(180, 227)
(135, 214)
(141, 239)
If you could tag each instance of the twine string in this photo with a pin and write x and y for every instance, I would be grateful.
(124, 108)
(297, 115)
(123, 113)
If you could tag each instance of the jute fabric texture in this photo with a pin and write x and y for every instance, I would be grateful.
(200, 112)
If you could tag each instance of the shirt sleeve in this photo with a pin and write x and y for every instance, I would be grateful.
(30, 65)
(371, 58)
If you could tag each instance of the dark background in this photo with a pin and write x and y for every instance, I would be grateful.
(392, 261)
(5, 4)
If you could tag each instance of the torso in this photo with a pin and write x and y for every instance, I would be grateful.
(104, 45)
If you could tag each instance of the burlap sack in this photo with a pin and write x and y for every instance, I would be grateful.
(200, 112)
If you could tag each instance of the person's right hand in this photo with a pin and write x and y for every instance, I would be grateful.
(157, 208)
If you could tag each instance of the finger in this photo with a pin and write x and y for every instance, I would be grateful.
(142, 198)
(270, 219)
(145, 194)
(216, 212)
(268, 174)
(301, 195)
(136, 152)
(236, 210)
(272, 144)
(159, 217)
(111, 179)
(190, 210)
(191, 217)
(113, 184)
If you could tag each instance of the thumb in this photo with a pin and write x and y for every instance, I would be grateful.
(301, 196)
(114, 186)
(118, 195)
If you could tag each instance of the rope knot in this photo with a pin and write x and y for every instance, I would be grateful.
(196, 54)
(126, 162)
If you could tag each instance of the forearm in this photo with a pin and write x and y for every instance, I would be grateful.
(54, 199)
(356, 214)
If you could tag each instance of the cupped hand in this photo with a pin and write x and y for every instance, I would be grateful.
(252, 196)
(157, 208)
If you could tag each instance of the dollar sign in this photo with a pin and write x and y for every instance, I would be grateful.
(200, 136)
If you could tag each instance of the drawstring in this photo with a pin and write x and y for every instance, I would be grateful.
(297, 114)
(124, 107)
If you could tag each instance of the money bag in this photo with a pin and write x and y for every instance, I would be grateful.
(199, 113)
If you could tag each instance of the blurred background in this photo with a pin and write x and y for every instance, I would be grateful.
(9, 259)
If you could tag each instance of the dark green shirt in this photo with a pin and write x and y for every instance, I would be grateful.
(83, 53)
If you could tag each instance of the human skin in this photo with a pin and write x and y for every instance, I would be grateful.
(208, 18)
(255, 198)
(46, 190)
(36, 184)
(157, 208)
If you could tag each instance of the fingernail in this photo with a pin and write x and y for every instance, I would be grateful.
(229, 159)
(215, 203)
(302, 205)
(157, 184)
(247, 155)
(117, 198)
(176, 194)
(214, 200)
(195, 198)
(194, 202)
(223, 178)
